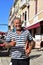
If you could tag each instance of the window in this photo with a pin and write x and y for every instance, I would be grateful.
(35, 6)
(42, 29)
(25, 15)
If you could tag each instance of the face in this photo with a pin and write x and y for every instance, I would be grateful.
(17, 24)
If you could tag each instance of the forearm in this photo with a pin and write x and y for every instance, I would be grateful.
(32, 44)
(8, 45)
(29, 46)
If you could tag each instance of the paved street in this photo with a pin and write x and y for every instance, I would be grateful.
(36, 58)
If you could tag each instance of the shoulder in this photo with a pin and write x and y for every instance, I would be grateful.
(27, 31)
(10, 33)
(24, 29)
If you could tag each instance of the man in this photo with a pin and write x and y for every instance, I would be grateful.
(21, 43)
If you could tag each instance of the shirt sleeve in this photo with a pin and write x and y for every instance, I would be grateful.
(8, 37)
(29, 37)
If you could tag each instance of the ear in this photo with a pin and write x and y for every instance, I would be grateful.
(13, 25)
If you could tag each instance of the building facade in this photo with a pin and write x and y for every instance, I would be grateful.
(31, 14)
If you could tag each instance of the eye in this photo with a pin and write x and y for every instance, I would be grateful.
(16, 23)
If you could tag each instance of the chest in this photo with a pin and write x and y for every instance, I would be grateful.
(20, 38)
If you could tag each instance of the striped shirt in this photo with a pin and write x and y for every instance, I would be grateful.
(18, 52)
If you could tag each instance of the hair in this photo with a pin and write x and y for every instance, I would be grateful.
(17, 19)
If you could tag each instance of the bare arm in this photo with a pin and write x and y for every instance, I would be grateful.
(29, 47)
(8, 45)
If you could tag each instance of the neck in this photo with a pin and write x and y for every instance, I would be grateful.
(18, 31)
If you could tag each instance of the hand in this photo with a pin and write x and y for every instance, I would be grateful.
(27, 51)
(12, 43)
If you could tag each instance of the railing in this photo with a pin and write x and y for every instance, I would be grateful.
(24, 2)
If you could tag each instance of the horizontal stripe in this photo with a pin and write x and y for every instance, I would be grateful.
(20, 43)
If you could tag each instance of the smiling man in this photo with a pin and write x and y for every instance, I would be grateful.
(21, 44)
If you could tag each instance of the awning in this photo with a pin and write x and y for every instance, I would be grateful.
(2, 32)
(35, 25)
